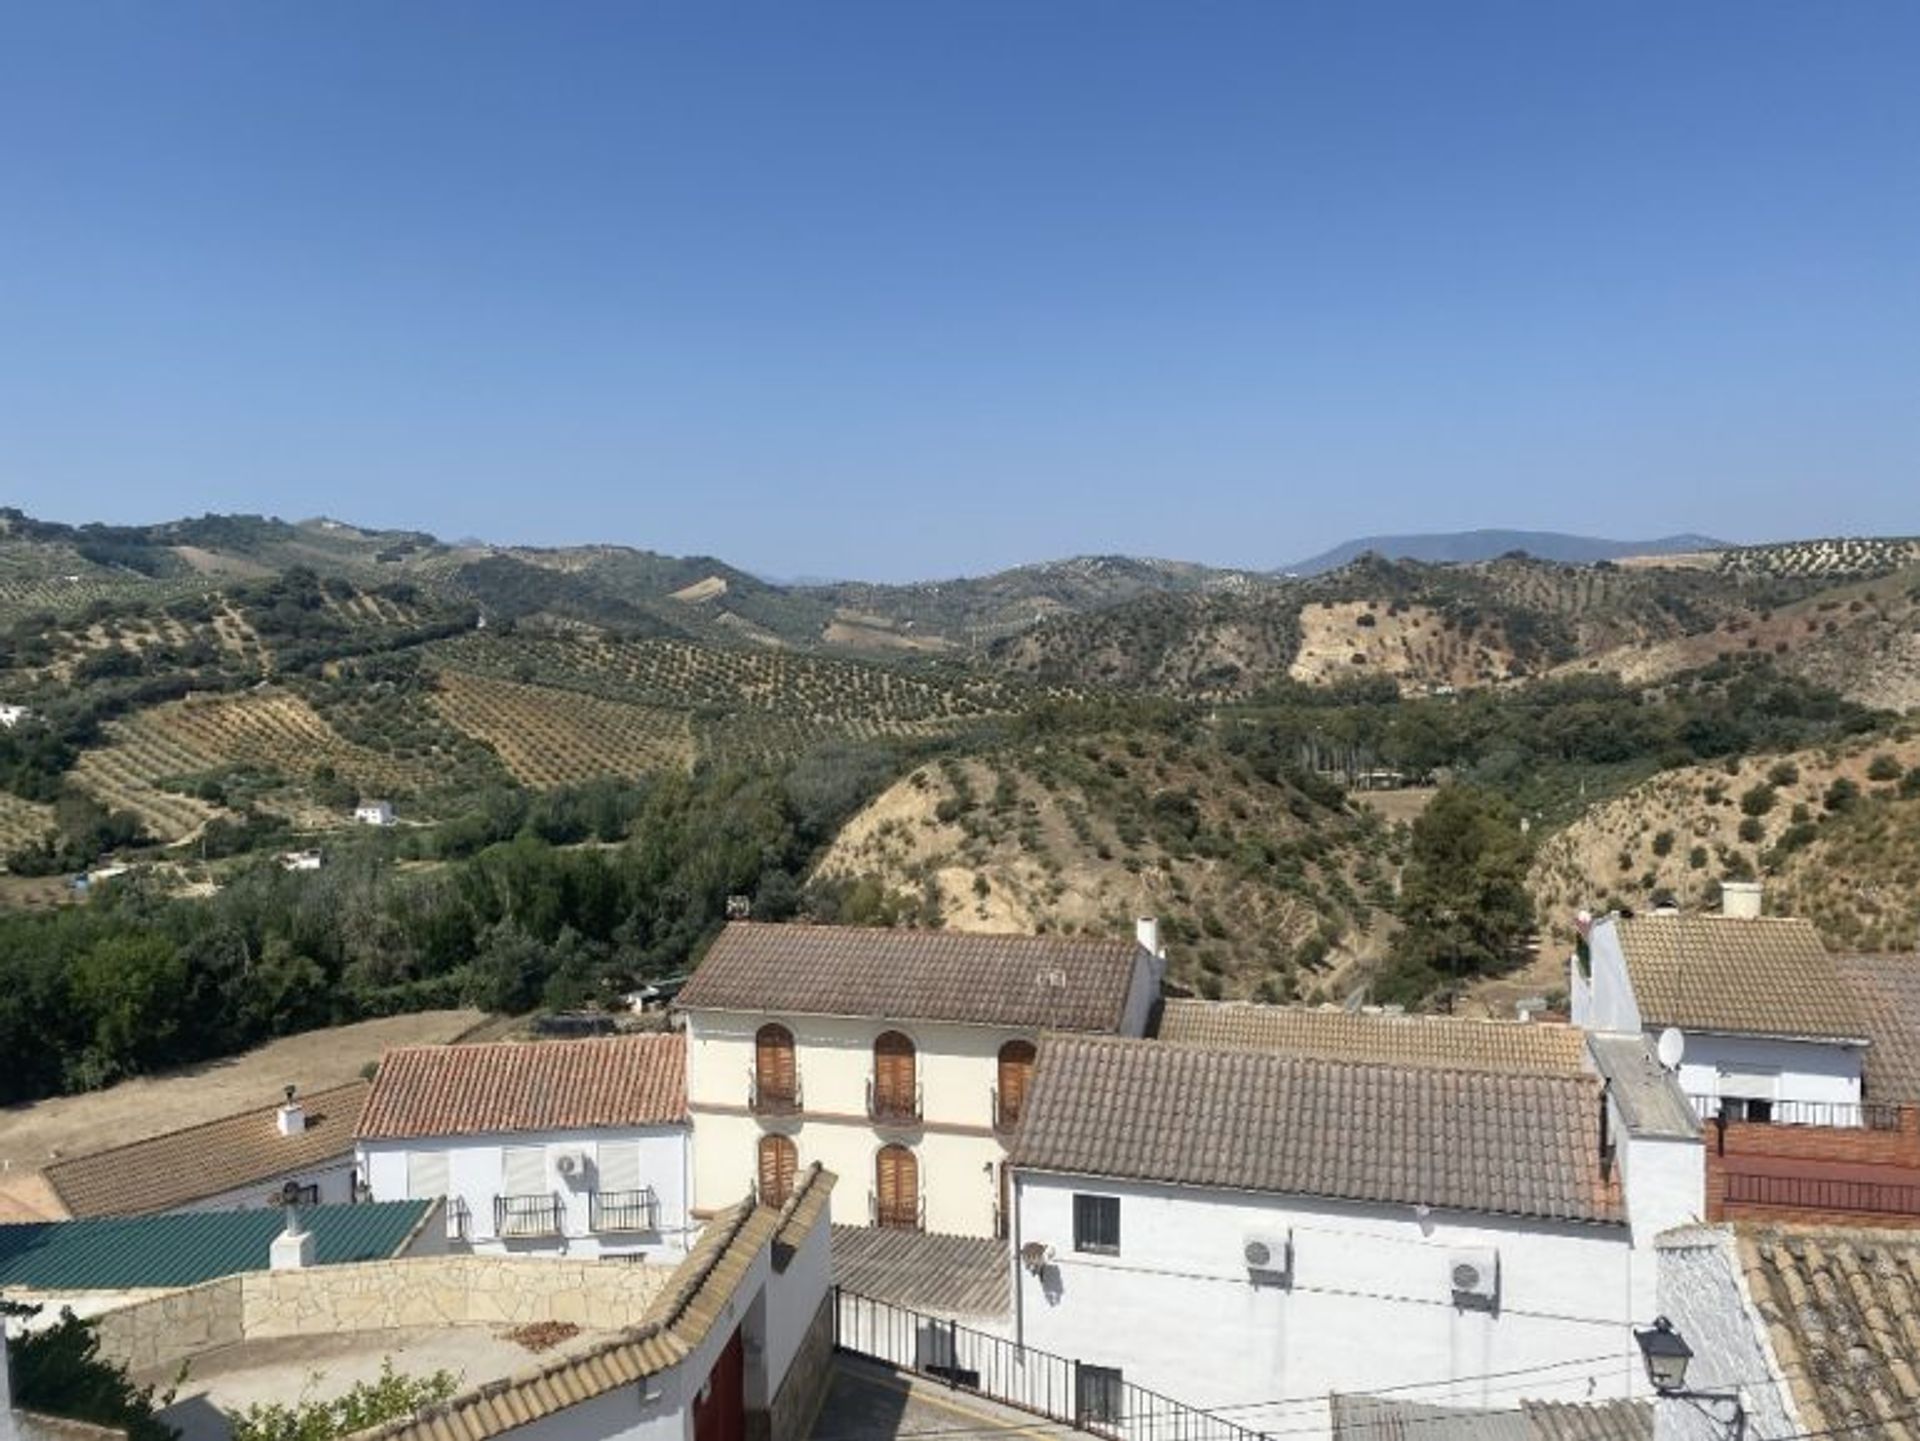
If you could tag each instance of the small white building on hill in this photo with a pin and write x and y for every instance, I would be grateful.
(578, 1148)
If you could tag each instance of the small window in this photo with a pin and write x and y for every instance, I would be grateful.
(1096, 1224)
(1099, 1395)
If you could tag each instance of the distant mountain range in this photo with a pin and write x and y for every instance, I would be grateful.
(1466, 546)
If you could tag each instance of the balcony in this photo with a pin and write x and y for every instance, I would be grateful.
(625, 1212)
(773, 1100)
(908, 1215)
(893, 1105)
(1837, 1115)
(519, 1217)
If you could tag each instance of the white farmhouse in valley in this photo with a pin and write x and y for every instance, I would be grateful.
(13, 715)
(897, 1059)
(575, 1148)
(374, 813)
(1769, 1028)
(1226, 1224)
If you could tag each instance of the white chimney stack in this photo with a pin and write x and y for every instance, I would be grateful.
(1740, 900)
(1146, 933)
(292, 1118)
(292, 1249)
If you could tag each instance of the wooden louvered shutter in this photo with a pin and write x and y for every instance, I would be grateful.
(893, 1074)
(897, 1187)
(773, 1066)
(779, 1159)
(1016, 1069)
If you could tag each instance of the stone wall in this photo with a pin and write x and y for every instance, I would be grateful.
(168, 1330)
(808, 1379)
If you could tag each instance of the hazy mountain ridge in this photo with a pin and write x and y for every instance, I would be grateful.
(1464, 547)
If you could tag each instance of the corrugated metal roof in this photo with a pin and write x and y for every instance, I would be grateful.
(1387, 1418)
(1590, 1421)
(946, 1275)
(1650, 1100)
(129, 1253)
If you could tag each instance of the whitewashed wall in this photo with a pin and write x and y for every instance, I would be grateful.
(475, 1176)
(1701, 1293)
(1369, 1305)
(334, 1178)
(1808, 1071)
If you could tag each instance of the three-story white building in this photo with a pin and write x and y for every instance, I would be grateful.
(897, 1059)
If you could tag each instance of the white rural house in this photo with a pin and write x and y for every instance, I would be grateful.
(12, 715)
(578, 1148)
(897, 1057)
(1232, 1225)
(237, 1162)
(1768, 1029)
(374, 813)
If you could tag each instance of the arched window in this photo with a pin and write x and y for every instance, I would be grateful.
(896, 1097)
(776, 1081)
(1016, 1070)
(779, 1160)
(896, 1187)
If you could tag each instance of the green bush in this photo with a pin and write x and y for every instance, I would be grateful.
(1883, 767)
(1751, 829)
(1758, 801)
(1662, 843)
(366, 1404)
(1842, 795)
(1783, 773)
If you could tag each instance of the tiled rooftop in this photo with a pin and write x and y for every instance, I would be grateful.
(134, 1253)
(177, 1168)
(1060, 983)
(1386, 1418)
(941, 1275)
(1444, 1041)
(1765, 976)
(532, 1086)
(1842, 1308)
(1466, 1140)
(1888, 989)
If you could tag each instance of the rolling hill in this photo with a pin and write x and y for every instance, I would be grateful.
(1463, 547)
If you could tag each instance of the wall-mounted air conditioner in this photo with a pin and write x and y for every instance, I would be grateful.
(1474, 1277)
(572, 1165)
(1268, 1255)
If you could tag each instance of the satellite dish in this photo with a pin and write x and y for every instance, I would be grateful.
(1671, 1048)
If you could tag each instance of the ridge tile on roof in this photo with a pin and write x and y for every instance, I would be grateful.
(1061, 983)
(507, 1086)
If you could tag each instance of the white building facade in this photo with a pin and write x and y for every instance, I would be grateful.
(575, 1148)
(898, 1060)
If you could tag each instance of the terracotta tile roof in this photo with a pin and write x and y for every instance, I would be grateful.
(1888, 989)
(532, 1086)
(1060, 983)
(1842, 1309)
(177, 1168)
(1254, 1121)
(700, 1294)
(1767, 976)
(1386, 1418)
(943, 1275)
(1589, 1420)
(1444, 1041)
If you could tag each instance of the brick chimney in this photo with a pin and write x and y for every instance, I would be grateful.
(292, 1116)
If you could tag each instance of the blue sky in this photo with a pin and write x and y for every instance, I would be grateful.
(895, 290)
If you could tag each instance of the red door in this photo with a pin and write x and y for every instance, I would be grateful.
(720, 1410)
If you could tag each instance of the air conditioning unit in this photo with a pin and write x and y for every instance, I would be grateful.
(572, 1165)
(1474, 1277)
(1268, 1254)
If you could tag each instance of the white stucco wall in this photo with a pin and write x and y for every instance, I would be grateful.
(1807, 1070)
(1369, 1306)
(1664, 1184)
(794, 1297)
(334, 1178)
(474, 1177)
(1701, 1292)
(1604, 1002)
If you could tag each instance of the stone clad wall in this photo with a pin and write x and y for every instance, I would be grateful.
(797, 1406)
(164, 1331)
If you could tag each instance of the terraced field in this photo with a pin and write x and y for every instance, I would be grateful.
(125, 775)
(22, 822)
(551, 737)
(1834, 559)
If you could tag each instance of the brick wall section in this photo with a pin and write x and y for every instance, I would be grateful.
(1812, 1153)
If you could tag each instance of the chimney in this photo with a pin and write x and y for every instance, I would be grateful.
(1146, 934)
(292, 1249)
(292, 1118)
(1740, 900)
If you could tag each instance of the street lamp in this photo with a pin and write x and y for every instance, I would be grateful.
(1667, 1353)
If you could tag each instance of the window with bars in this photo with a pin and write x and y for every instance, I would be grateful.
(1096, 1224)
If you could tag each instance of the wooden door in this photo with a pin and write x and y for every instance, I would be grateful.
(897, 1188)
(1016, 1070)
(779, 1160)
(720, 1408)
(893, 1076)
(776, 1081)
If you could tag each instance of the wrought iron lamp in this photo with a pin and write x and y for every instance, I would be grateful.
(1667, 1354)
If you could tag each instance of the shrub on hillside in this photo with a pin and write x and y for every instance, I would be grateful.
(1883, 767)
(1757, 801)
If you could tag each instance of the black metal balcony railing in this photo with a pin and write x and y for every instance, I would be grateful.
(909, 1215)
(527, 1216)
(1812, 1193)
(895, 1104)
(625, 1211)
(773, 1100)
(1840, 1115)
(459, 1220)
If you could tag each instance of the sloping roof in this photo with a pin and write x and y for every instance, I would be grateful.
(944, 1275)
(698, 1296)
(178, 1168)
(1448, 1041)
(1760, 976)
(1386, 1418)
(1650, 1099)
(1061, 983)
(1256, 1121)
(1888, 989)
(136, 1253)
(1841, 1308)
(531, 1086)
